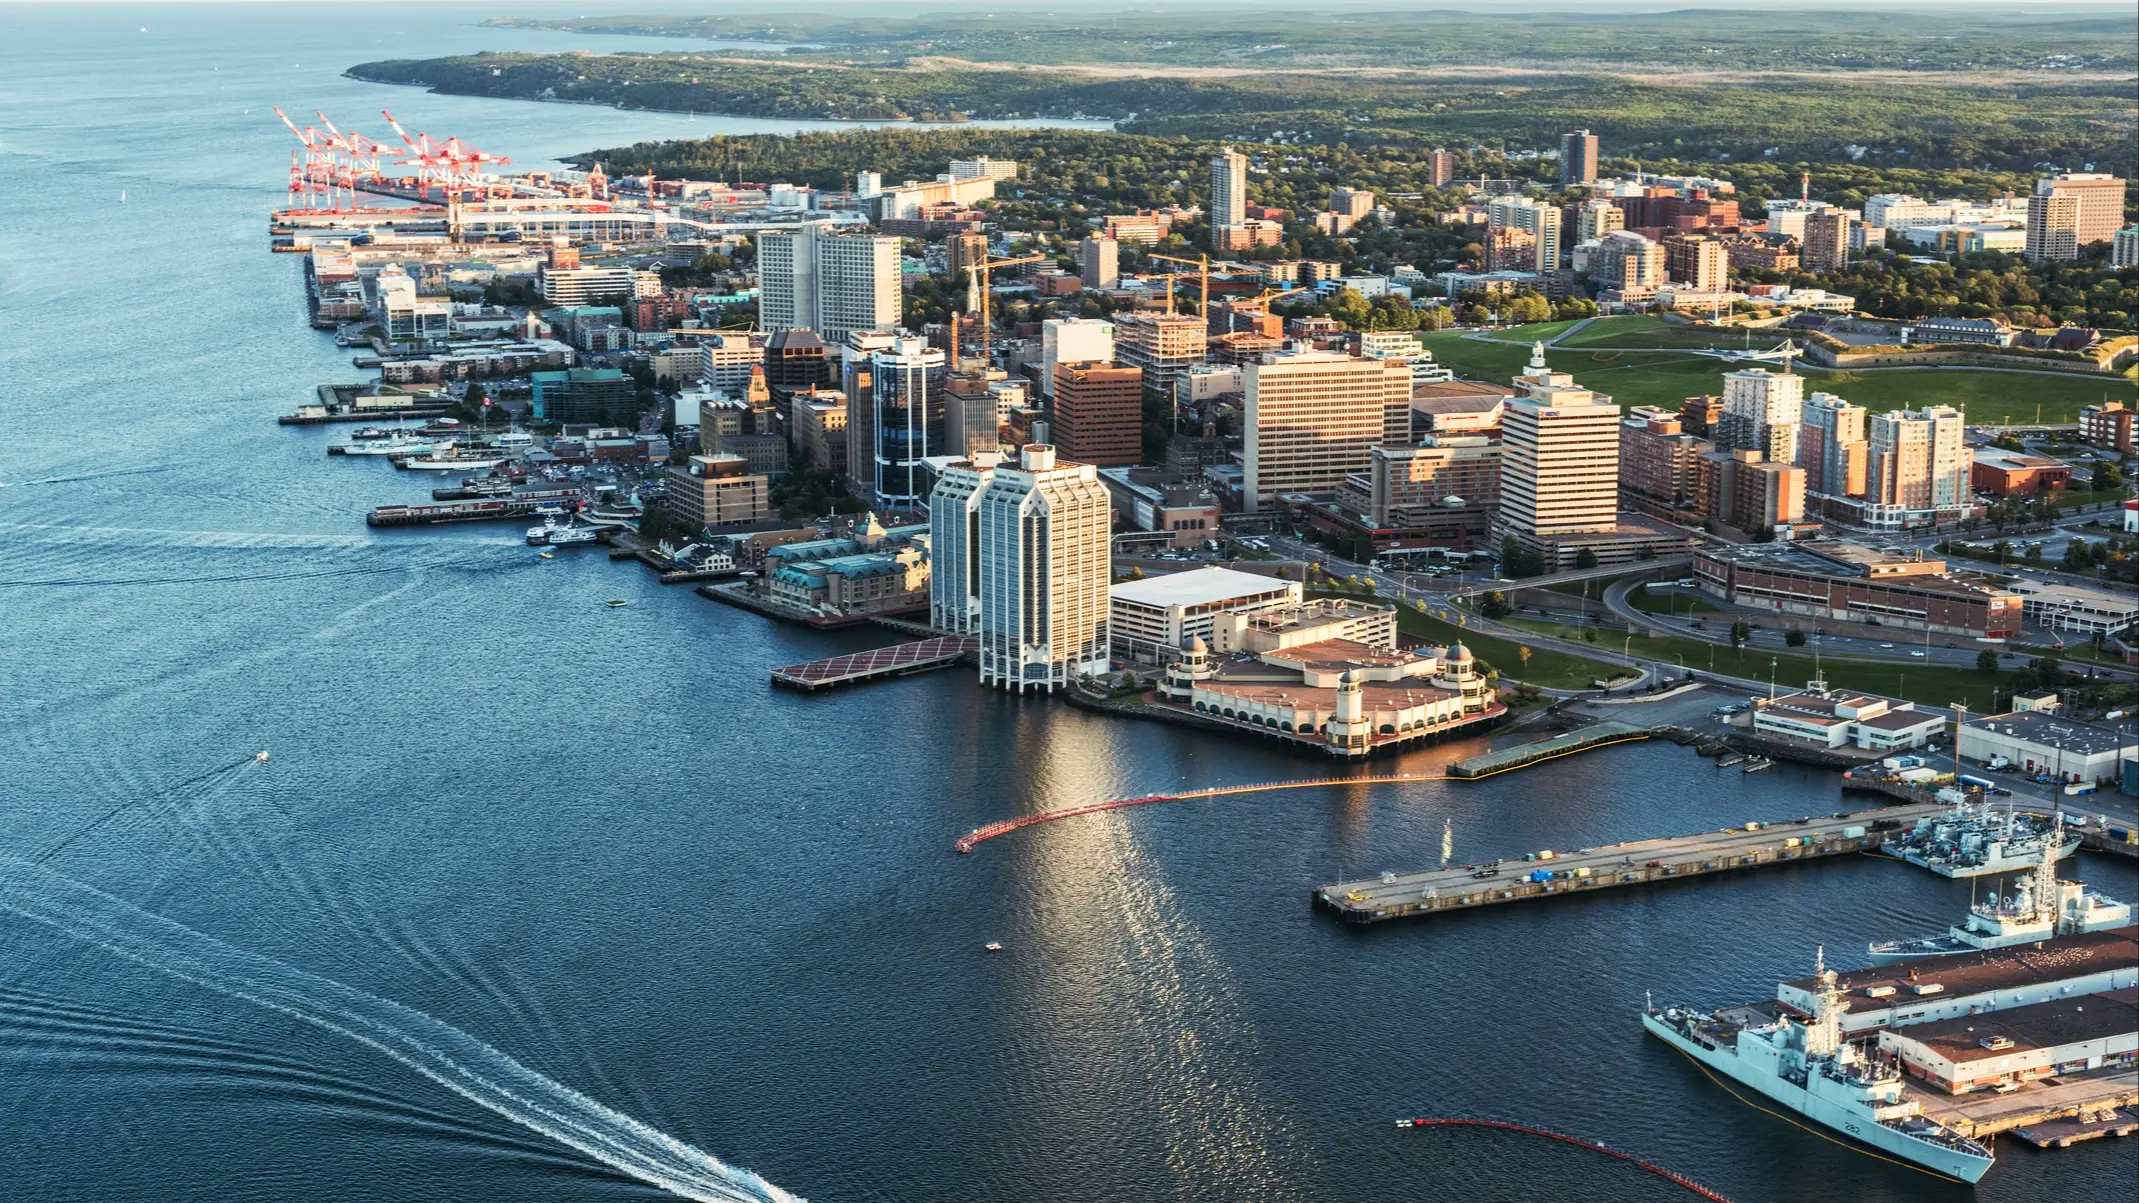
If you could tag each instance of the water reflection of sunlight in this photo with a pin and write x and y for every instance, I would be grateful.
(1130, 991)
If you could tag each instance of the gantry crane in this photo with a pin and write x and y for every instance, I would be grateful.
(1202, 264)
(1260, 303)
(311, 168)
(984, 267)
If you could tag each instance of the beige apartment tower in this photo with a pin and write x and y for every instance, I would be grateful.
(1832, 446)
(1312, 418)
(1919, 459)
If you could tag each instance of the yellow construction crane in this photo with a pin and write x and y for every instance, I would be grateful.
(1202, 264)
(984, 267)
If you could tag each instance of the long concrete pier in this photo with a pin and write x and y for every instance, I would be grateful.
(1640, 862)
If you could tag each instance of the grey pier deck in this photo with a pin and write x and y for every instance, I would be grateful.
(1458, 888)
(1596, 735)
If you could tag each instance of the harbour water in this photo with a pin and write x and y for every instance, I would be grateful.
(515, 851)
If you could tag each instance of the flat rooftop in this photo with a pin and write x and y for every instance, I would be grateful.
(1196, 587)
(2051, 730)
(2043, 1025)
(1329, 654)
(1850, 561)
(1971, 973)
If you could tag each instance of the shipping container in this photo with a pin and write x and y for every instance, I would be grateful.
(1853, 833)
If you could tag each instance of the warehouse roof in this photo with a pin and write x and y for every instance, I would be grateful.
(2051, 1024)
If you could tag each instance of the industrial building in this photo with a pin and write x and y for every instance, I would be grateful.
(1838, 719)
(1974, 983)
(2040, 741)
(1312, 418)
(1847, 582)
(716, 490)
(2040, 1040)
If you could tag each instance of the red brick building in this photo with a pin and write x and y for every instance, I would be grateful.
(2014, 473)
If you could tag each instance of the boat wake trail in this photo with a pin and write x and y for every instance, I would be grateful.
(437, 1050)
(68, 480)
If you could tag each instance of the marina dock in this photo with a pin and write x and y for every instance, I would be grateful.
(1640, 862)
(518, 506)
(1596, 735)
(897, 660)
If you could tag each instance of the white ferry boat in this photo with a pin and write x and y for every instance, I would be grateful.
(556, 534)
(1803, 1063)
(448, 463)
(2041, 907)
(387, 446)
(1978, 842)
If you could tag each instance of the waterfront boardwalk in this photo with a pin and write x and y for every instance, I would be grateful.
(894, 661)
(1596, 735)
(1431, 891)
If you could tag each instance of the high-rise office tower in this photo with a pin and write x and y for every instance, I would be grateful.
(1312, 418)
(857, 379)
(1559, 463)
(1761, 411)
(1918, 459)
(1078, 340)
(972, 411)
(1099, 414)
(906, 395)
(812, 278)
(954, 544)
(1578, 158)
(1045, 572)
(1540, 221)
(1229, 194)
(1831, 446)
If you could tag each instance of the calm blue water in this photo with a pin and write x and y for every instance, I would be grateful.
(594, 841)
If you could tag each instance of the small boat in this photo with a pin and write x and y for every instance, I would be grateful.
(262, 757)
(615, 604)
(993, 946)
(549, 555)
(1758, 763)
